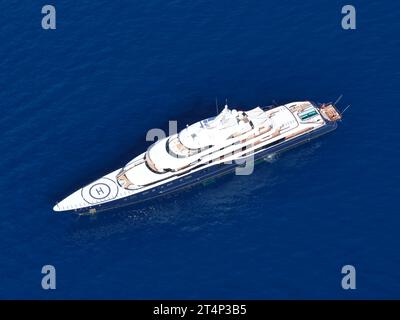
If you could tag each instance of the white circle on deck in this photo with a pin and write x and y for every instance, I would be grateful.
(100, 191)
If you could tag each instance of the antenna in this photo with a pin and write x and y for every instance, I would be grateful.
(216, 104)
(345, 109)
(226, 102)
(338, 99)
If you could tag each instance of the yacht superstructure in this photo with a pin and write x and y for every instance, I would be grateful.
(203, 150)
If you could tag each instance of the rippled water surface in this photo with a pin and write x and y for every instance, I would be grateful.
(76, 103)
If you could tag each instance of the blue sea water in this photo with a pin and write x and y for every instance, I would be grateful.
(77, 102)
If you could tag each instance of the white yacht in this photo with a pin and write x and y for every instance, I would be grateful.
(204, 150)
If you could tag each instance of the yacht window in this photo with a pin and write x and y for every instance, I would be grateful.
(150, 164)
(176, 149)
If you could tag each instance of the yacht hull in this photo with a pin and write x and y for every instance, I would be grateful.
(203, 175)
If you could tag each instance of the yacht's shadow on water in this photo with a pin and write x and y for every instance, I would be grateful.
(201, 206)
